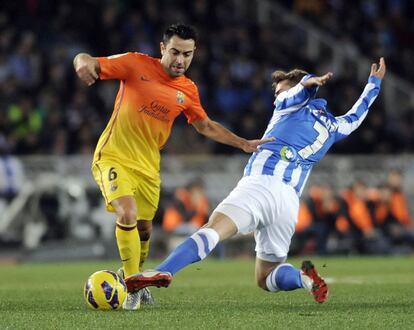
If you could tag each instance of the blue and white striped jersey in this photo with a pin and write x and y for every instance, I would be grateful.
(304, 131)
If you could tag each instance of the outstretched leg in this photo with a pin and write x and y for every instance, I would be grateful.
(195, 248)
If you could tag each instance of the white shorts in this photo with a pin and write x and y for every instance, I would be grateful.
(269, 208)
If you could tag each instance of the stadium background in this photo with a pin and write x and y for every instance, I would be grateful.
(50, 122)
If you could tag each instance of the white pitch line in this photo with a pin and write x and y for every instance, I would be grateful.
(345, 280)
(361, 281)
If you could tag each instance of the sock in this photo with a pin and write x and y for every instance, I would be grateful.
(144, 253)
(193, 249)
(129, 251)
(284, 278)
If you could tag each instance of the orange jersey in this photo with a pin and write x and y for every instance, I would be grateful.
(146, 106)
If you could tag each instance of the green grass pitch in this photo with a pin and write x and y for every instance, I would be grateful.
(365, 293)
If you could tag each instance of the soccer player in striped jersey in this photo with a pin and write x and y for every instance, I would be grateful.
(126, 163)
(266, 199)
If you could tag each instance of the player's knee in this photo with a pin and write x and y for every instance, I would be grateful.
(261, 283)
(127, 216)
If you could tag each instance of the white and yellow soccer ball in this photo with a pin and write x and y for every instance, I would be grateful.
(105, 290)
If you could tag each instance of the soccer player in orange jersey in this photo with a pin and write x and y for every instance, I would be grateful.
(126, 163)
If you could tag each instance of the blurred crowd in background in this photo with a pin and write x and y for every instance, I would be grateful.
(377, 27)
(359, 219)
(45, 109)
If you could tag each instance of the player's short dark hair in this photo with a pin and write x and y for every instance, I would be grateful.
(180, 30)
(295, 76)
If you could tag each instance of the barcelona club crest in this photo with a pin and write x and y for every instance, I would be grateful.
(180, 97)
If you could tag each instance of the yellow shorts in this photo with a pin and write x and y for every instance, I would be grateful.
(116, 181)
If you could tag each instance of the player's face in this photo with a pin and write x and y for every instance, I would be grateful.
(282, 86)
(177, 55)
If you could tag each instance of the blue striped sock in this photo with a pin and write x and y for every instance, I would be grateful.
(284, 278)
(193, 249)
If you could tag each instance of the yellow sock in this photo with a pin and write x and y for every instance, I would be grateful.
(144, 253)
(129, 251)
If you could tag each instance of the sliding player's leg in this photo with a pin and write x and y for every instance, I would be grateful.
(273, 273)
(195, 248)
(199, 245)
(272, 247)
(280, 276)
(238, 213)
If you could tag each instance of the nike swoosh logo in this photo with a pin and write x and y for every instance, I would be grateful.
(124, 260)
(143, 78)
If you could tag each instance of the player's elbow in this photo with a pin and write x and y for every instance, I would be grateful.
(202, 127)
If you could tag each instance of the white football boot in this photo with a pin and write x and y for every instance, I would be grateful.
(132, 301)
(146, 296)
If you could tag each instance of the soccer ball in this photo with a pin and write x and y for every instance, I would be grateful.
(105, 290)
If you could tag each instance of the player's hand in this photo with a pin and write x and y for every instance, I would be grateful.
(317, 81)
(376, 71)
(86, 68)
(251, 145)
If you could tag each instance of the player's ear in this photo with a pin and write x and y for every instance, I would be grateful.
(162, 48)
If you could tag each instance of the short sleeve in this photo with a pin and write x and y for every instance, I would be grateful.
(195, 111)
(118, 66)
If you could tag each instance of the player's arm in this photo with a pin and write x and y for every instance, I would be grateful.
(316, 81)
(87, 68)
(219, 133)
(296, 97)
(354, 117)
(120, 66)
